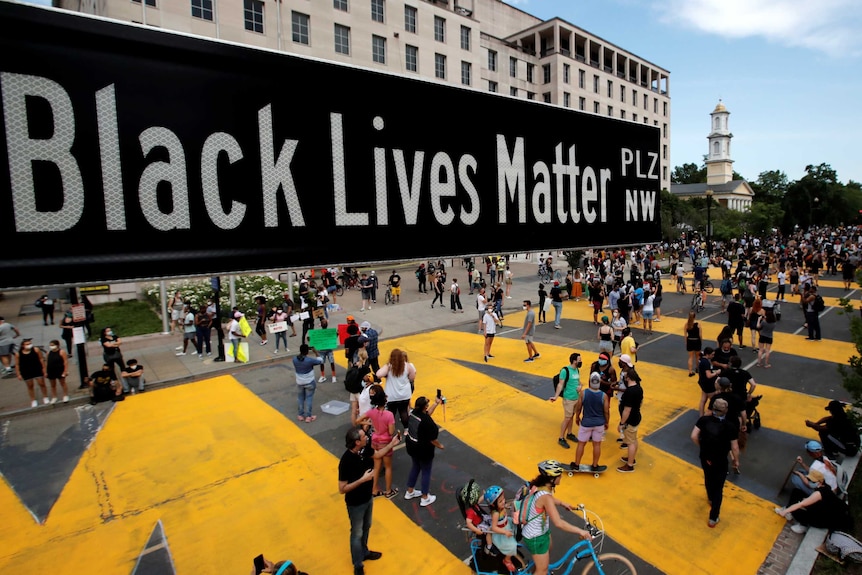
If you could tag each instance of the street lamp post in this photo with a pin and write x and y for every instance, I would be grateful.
(709, 223)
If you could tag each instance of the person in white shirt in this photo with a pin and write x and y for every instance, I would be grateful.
(490, 323)
(481, 303)
(782, 280)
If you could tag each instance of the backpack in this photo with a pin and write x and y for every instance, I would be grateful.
(556, 380)
(521, 504)
(819, 305)
(353, 379)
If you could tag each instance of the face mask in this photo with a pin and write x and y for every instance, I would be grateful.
(109, 332)
(603, 362)
(580, 363)
(28, 346)
(523, 307)
(53, 347)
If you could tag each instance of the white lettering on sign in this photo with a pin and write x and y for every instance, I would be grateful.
(630, 157)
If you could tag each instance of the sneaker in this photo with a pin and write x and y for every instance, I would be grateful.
(201, 356)
(572, 437)
(557, 327)
(181, 353)
(537, 356)
(412, 494)
(322, 379)
(209, 353)
(45, 401)
(626, 461)
(373, 555)
(65, 399)
(276, 351)
(787, 516)
(528, 360)
(264, 342)
(53, 400)
(333, 379)
(563, 443)
(180, 348)
(799, 528)
(34, 403)
(426, 501)
(625, 469)
(713, 522)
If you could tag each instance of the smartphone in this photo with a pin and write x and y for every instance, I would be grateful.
(258, 564)
(439, 393)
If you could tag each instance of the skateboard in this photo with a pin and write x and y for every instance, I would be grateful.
(571, 468)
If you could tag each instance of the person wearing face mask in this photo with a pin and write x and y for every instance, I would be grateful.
(56, 369)
(30, 368)
(529, 331)
(607, 372)
(104, 386)
(111, 348)
(716, 435)
(567, 388)
(618, 323)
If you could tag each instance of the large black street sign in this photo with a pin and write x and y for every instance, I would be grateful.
(133, 153)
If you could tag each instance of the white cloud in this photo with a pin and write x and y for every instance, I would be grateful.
(829, 26)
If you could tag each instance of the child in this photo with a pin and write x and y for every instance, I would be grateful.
(478, 521)
(501, 525)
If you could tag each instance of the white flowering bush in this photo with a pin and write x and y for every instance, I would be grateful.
(198, 291)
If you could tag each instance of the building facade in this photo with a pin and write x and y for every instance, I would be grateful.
(732, 194)
(480, 44)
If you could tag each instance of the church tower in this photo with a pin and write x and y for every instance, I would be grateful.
(719, 166)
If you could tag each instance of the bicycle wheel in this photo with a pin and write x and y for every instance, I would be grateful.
(339, 290)
(387, 299)
(694, 302)
(611, 564)
(708, 287)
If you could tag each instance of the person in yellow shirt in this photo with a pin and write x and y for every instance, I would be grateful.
(628, 345)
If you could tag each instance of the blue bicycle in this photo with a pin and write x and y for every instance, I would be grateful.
(590, 550)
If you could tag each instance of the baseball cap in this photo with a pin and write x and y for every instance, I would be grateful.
(595, 380)
(626, 360)
(813, 446)
(556, 283)
(365, 325)
(719, 406)
(723, 382)
(350, 318)
(815, 475)
(834, 406)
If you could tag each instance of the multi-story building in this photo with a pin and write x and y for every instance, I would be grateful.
(481, 44)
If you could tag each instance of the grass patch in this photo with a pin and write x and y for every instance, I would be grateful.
(826, 566)
(126, 318)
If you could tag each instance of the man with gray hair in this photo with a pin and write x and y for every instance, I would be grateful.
(592, 414)
(716, 435)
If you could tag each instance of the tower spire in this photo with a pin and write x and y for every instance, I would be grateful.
(719, 165)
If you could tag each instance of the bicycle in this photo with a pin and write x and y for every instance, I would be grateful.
(697, 301)
(387, 297)
(545, 275)
(591, 549)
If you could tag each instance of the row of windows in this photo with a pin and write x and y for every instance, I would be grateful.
(582, 80)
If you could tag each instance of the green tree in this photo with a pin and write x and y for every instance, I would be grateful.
(762, 217)
(817, 199)
(770, 187)
(688, 174)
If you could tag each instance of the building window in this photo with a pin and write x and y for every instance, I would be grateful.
(492, 61)
(467, 73)
(440, 66)
(664, 108)
(610, 89)
(492, 86)
(465, 38)
(377, 10)
(531, 95)
(546, 73)
(546, 97)
(582, 103)
(299, 27)
(646, 102)
(253, 15)
(595, 107)
(655, 105)
(664, 173)
(664, 152)
(582, 79)
(440, 29)
(513, 67)
(530, 69)
(567, 70)
(202, 9)
(611, 111)
(342, 39)
(411, 58)
(513, 92)
(410, 19)
(567, 100)
(664, 130)
(634, 97)
(340, 5)
(378, 49)
(595, 84)
(634, 117)
(150, 3)
(623, 94)
(623, 114)
(655, 123)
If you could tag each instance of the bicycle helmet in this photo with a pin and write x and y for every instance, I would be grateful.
(470, 493)
(492, 493)
(550, 468)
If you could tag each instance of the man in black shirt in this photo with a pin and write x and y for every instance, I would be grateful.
(716, 435)
(630, 418)
(355, 474)
(736, 317)
(104, 386)
(723, 355)
(739, 379)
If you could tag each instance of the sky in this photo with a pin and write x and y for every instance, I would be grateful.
(788, 71)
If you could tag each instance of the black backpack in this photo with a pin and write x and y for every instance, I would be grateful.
(556, 380)
(353, 379)
(819, 305)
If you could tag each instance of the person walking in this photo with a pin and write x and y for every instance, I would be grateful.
(543, 295)
(422, 442)
(305, 382)
(437, 287)
(812, 315)
(766, 327)
(557, 302)
(567, 388)
(716, 435)
(355, 474)
(455, 296)
(541, 511)
(693, 341)
(630, 418)
(529, 331)
(489, 328)
(592, 417)
(260, 324)
(481, 305)
(189, 332)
